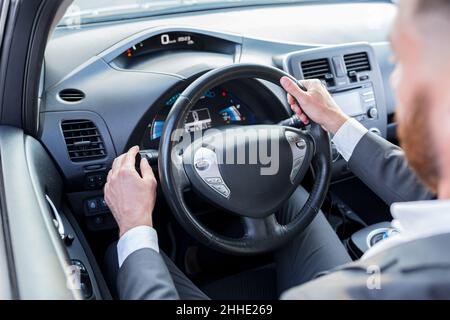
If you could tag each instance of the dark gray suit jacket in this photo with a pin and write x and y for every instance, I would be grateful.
(382, 166)
(144, 276)
(417, 270)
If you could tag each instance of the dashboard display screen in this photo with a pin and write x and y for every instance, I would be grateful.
(217, 107)
(199, 119)
(165, 41)
(350, 103)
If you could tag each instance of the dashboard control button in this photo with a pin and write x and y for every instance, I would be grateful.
(98, 220)
(90, 182)
(363, 78)
(100, 179)
(353, 75)
(96, 206)
(95, 181)
(103, 204)
(92, 205)
(373, 113)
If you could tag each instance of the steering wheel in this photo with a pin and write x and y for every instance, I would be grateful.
(253, 190)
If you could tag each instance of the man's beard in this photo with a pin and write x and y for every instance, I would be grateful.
(415, 138)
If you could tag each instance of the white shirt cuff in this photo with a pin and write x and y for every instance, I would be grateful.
(348, 136)
(135, 239)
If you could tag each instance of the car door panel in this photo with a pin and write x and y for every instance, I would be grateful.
(40, 259)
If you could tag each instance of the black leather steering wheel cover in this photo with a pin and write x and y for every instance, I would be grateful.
(174, 194)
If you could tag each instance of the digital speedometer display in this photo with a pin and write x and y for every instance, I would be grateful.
(217, 107)
(166, 41)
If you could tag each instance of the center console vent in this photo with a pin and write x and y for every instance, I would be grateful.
(318, 69)
(83, 140)
(357, 62)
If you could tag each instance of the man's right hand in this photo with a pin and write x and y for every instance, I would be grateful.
(316, 104)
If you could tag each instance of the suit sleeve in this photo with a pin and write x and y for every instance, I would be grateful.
(382, 166)
(144, 276)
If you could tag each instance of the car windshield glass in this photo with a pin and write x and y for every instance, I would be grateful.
(88, 11)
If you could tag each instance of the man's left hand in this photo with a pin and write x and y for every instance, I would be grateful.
(130, 197)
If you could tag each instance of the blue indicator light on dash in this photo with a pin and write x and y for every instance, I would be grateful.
(172, 100)
(231, 114)
(210, 94)
(157, 128)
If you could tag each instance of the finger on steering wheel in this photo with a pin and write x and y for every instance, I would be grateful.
(297, 109)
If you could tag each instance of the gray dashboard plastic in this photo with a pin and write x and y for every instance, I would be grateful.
(310, 24)
(117, 100)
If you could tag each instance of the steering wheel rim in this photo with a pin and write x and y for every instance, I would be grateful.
(174, 179)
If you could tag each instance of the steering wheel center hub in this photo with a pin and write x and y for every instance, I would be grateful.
(248, 170)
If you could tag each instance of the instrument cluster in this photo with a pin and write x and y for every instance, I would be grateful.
(217, 107)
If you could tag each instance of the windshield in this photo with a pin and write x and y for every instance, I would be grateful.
(87, 11)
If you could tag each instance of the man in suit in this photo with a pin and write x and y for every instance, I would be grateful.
(413, 264)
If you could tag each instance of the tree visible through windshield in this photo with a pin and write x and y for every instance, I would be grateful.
(86, 11)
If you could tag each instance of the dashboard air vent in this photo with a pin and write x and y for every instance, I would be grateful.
(83, 140)
(317, 69)
(357, 62)
(71, 95)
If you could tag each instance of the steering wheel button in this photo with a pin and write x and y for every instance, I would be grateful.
(222, 189)
(297, 164)
(202, 165)
(292, 137)
(214, 180)
(206, 166)
(301, 144)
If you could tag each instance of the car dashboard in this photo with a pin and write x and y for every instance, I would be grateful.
(109, 86)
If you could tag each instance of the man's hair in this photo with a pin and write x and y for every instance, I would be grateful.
(433, 5)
